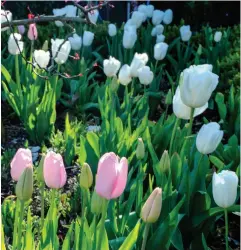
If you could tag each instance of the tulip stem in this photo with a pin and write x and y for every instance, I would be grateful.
(94, 230)
(42, 204)
(226, 227)
(17, 70)
(102, 224)
(82, 215)
(173, 134)
(15, 224)
(191, 122)
(156, 65)
(20, 223)
(146, 232)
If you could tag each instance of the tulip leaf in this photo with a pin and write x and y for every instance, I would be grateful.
(177, 240)
(216, 162)
(67, 240)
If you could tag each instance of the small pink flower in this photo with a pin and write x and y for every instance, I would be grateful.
(54, 171)
(32, 32)
(111, 176)
(21, 160)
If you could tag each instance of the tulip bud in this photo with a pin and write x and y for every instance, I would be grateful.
(40, 173)
(153, 32)
(112, 30)
(96, 203)
(124, 76)
(32, 32)
(185, 32)
(199, 50)
(168, 16)
(217, 36)
(129, 38)
(24, 187)
(6, 16)
(157, 17)
(111, 66)
(145, 75)
(138, 18)
(165, 162)
(152, 208)
(14, 45)
(138, 61)
(149, 10)
(86, 176)
(160, 51)
(75, 42)
(114, 85)
(140, 150)
(159, 29)
(224, 186)
(41, 58)
(168, 100)
(93, 16)
(160, 38)
(88, 38)
(45, 46)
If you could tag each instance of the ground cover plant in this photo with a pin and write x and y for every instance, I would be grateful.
(119, 137)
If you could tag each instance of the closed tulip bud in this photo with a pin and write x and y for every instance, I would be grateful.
(59, 12)
(124, 76)
(181, 110)
(6, 15)
(40, 170)
(129, 38)
(159, 29)
(32, 32)
(75, 42)
(208, 138)
(138, 61)
(112, 29)
(138, 17)
(13, 47)
(111, 66)
(145, 75)
(41, 58)
(54, 171)
(165, 162)
(111, 176)
(130, 26)
(217, 36)
(224, 187)
(185, 32)
(168, 16)
(20, 161)
(160, 51)
(197, 84)
(64, 51)
(160, 38)
(24, 187)
(153, 32)
(88, 38)
(140, 150)
(114, 85)
(142, 8)
(96, 203)
(93, 16)
(168, 100)
(21, 29)
(199, 50)
(45, 46)
(157, 17)
(152, 208)
(86, 176)
(149, 10)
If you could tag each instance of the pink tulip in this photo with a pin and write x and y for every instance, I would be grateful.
(21, 160)
(32, 32)
(21, 29)
(54, 170)
(111, 176)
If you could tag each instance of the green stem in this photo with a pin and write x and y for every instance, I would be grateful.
(226, 227)
(20, 223)
(15, 224)
(17, 70)
(94, 243)
(156, 65)
(173, 134)
(42, 204)
(82, 215)
(102, 224)
(147, 228)
(191, 122)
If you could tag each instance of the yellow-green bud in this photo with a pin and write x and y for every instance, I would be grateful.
(114, 85)
(86, 176)
(140, 150)
(199, 50)
(96, 203)
(45, 46)
(169, 98)
(24, 187)
(165, 162)
(40, 174)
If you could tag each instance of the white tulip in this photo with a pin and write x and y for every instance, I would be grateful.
(185, 32)
(153, 32)
(111, 66)
(13, 47)
(138, 18)
(93, 16)
(93, 128)
(217, 36)
(88, 38)
(75, 42)
(224, 187)
(41, 58)
(208, 138)
(160, 51)
(197, 84)
(157, 17)
(138, 61)
(6, 16)
(149, 10)
(130, 26)
(159, 29)
(112, 29)
(168, 16)
(160, 38)
(124, 76)
(143, 9)
(145, 75)
(181, 110)
(129, 39)
(60, 55)
(70, 10)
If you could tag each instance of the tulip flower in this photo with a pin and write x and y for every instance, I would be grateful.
(68, 11)
(185, 32)
(60, 55)
(152, 208)
(86, 176)
(15, 46)
(88, 38)
(20, 161)
(59, 12)
(138, 61)
(160, 51)
(6, 15)
(143, 9)
(130, 26)
(149, 10)
(45, 46)
(153, 32)
(145, 75)
(129, 38)
(160, 38)
(111, 66)
(181, 110)
(112, 30)
(32, 32)
(197, 84)
(54, 171)
(111, 176)
(93, 16)
(168, 16)
(165, 163)
(96, 203)
(75, 42)
(21, 29)
(157, 17)
(208, 138)
(138, 18)
(159, 29)
(140, 150)
(217, 36)
(124, 76)
(41, 58)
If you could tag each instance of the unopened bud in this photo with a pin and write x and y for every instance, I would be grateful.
(199, 50)
(86, 176)
(96, 203)
(45, 46)
(114, 85)
(165, 162)
(140, 150)
(168, 100)
(40, 173)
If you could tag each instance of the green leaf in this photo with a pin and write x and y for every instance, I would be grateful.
(93, 140)
(219, 98)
